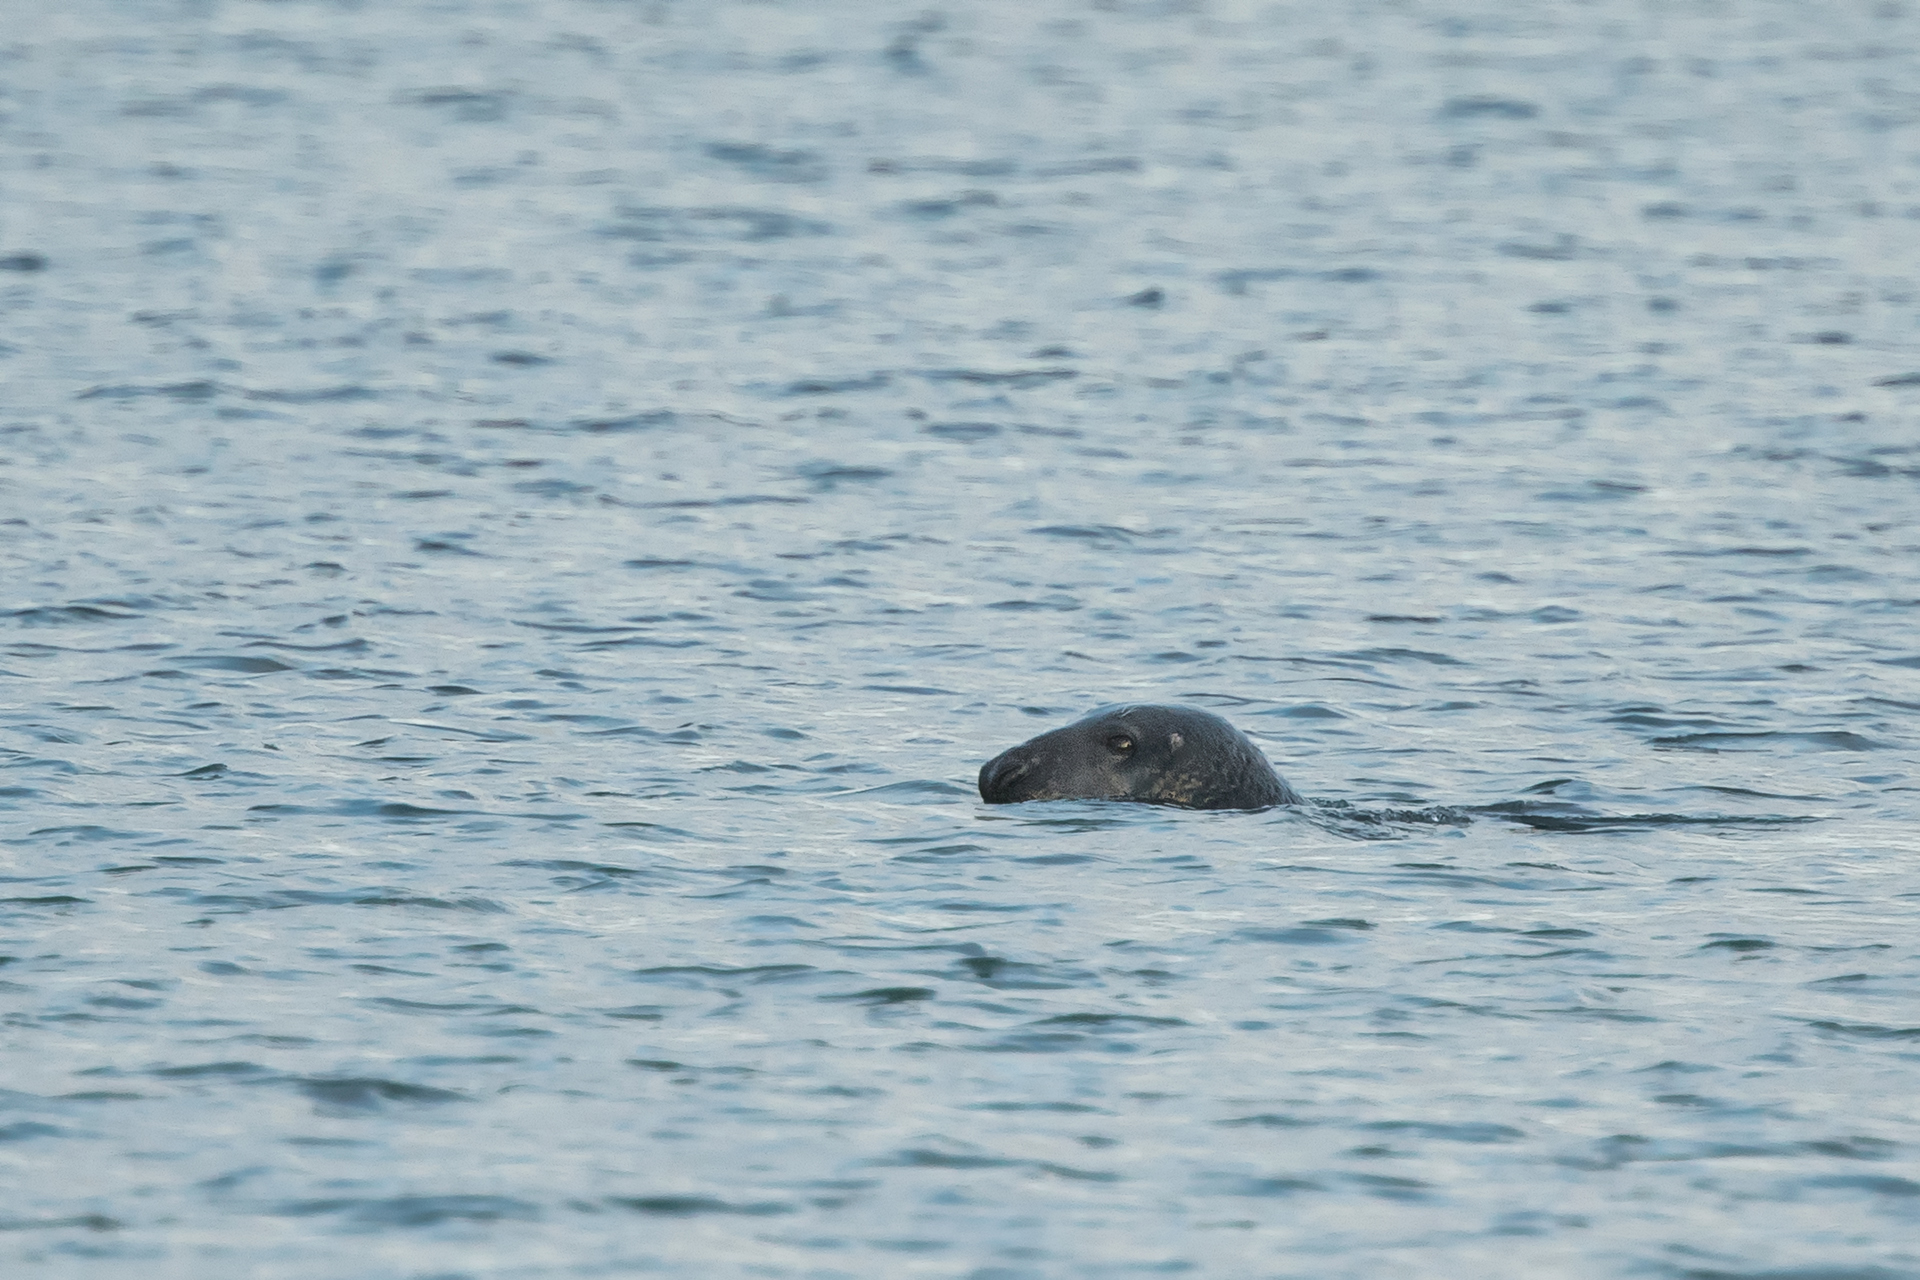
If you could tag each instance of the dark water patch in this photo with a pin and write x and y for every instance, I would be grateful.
(1647, 718)
(1814, 1272)
(1015, 379)
(1267, 1120)
(1098, 534)
(287, 899)
(406, 1212)
(1241, 1184)
(644, 421)
(933, 1158)
(1057, 604)
(463, 104)
(829, 474)
(1369, 822)
(86, 833)
(1239, 282)
(482, 735)
(886, 995)
(731, 500)
(700, 976)
(771, 163)
(391, 810)
(485, 1009)
(1621, 1150)
(1056, 1041)
(962, 430)
(1401, 655)
(942, 208)
(354, 1095)
(577, 874)
(1091, 165)
(1881, 1185)
(451, 544)
(721, 223)
(1003, 974)
(837, 386)
(237, 663)
(1827, 740)
(75, 1222)
(312, 395)
(1545, 816)
(1488, 107)
(228, 1069)
(1478, 1133)
(1108, 1020)
(63, 615)
(940, 164)
(193, 392)
(672, 1206)
(342, 646)
(1757, 552)
(1865, 1030)
(637, 1013)
(1301, 936)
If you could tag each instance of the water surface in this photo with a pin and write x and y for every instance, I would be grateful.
(519, 523)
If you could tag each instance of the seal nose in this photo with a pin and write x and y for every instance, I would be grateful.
(999, 774)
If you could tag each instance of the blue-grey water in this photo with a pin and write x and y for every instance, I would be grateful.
(519, 523)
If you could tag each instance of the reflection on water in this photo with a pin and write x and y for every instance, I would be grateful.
(521, 523)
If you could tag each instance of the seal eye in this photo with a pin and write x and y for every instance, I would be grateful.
(1120, 744)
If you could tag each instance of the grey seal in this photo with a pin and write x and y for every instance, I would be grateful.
(1153, 753)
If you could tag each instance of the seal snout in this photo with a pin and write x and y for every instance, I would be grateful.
(998, 775)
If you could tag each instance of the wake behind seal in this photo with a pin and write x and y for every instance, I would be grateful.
(1147, 752)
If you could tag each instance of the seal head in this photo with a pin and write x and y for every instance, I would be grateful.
(1156, 754)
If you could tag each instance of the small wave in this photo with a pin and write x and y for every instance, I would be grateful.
(1401, 655)
(415, 1211)
(1563, 817)
(64, 615)
(285, 899)
(1018, 379)
(917, 791)
(234, 662)
(1824, 740)
(693, 1206)
(735, 223)
(335, 1095)
(192, 392)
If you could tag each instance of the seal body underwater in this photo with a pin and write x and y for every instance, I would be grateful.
(1153, 753)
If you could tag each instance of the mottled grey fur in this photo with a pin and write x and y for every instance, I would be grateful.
(1154, 754)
